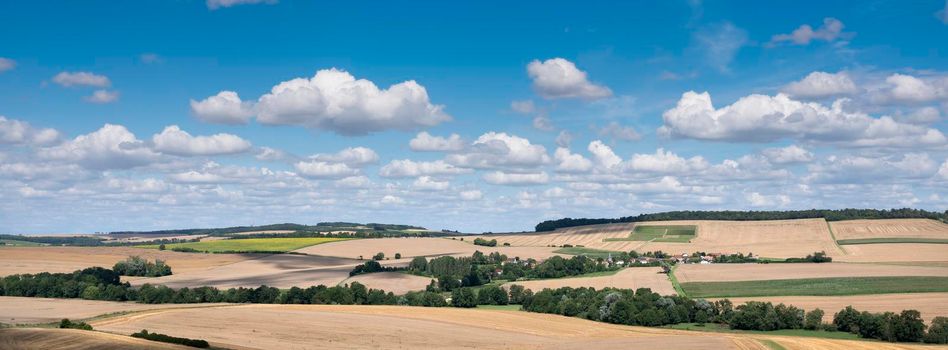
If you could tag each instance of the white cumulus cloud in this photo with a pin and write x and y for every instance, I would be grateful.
(425, 142)
(411, 168)
(69, 79)
(173, 140)
(822, 85)
(559, 78)
(568, 162)
(102, 96)
(500, 150)
(14, 131)
(788, 155)
(830, 30)
(110, 147)
(223, 108)
(516, 179)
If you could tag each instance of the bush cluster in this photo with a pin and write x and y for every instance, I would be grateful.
(66, 323)
(137, 266)
(194, 343)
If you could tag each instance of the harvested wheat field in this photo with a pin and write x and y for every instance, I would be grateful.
(930, 305)
(774, 238)
(629, 278)
(412, 247)
(894, 252)
(277, 270)
(396, 327)
(18, 260)
(18, 310)
(761, 272)
(889, 228)
(396, 282)
(74, 339)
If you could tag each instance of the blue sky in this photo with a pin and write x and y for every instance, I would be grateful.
(168, 114)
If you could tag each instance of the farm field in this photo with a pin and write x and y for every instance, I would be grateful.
(816, 287)
(423, 246)
(894, 252)
(250, 244)
(759, 272)
(890, 228)
(396, 282)
(589, 252)
(277, 270)
(22, 310)
(74, 339)
(18, 260)
(892, 240)
(929, 304)
(773, 238)
(660, 233)
(629, 278)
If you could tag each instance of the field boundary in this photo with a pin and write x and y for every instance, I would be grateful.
(833, 236)
(833, 286)
(891, 240)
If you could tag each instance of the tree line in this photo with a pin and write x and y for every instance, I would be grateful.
(138, 266)
(828, 214)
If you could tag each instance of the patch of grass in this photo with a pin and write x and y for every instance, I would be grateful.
(660, 233)
(816, 286)
(772, 345)
(674, 282)
(249, 245)
(720, 328)
(500, 307)
(891, 240)
(16, 243)
(589, 252)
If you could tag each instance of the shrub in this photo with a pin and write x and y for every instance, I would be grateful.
(136, 266)
(379, 256)
(463, 297)
(937, 331)
(194, 343)
(398, 255)
(813, 319)
(66, 323)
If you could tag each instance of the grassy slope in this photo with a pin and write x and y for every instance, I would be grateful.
(248, 245)
(816, 286)
(662, 233)
(713, 327)
(16, 243)
(891, 240)
(589, 252)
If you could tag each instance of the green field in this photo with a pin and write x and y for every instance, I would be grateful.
(816, 286)
(500, 307)
(272, 245)
(661, 233)
(16, 243)
(891, 240)
(589, 252)
(718, 328)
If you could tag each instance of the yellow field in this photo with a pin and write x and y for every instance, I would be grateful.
(18, 260)
(890, 228)
(412, 247)
(251, 244)
(930, 305)
(74, 339)
(763, 272)
(629, 278)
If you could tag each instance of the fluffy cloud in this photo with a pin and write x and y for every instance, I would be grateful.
(758, 200)
(855, 169)
(102, 96)
(424, 142)
(603, 155)
(667, 184)
(471, 195)
(516, 179)
(216, 4)
(904, 88)
(788, 155)
(568, 162)
(69, 79)
(665, 162)
(352, 156)
(821, 85)
(500, 150)
(427, 183)
(111, 147)
(543, 123)
(830, 30)
(223, 108)
(924, 115)
(334, 100)
(173, 140)
(410, 168)
(14, 131)
(761, 118)
(6, 64)
(559, 78)
(324, 170)
(720, 43)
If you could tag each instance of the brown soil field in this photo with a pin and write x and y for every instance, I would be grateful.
(930, 305)
(268, 232)
(277, 270)
(760, 272)
(412, 247)
(19, 310)
(890, 228)
(15, 260)
(776, 238)
(74, 339)
(896, 252)
(396, 282)
(396, 327)
(629, 278)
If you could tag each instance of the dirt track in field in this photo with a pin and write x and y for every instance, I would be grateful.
(930, 305)
(16, 260)
(630, 278)
(760, 272)
(890, 228)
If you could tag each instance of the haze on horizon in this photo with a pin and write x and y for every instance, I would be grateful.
(161, 115)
